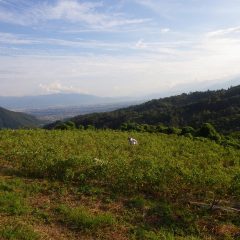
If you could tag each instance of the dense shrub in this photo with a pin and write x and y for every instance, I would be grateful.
(69, 125)
(208, 131)
(188, 130)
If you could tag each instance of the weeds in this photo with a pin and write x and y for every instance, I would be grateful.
(81, 218)
(13, 204)
(18, 231)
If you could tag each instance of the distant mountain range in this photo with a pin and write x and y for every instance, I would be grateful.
(14, 120)
(221, 108)
(54, 100)
(65, 100)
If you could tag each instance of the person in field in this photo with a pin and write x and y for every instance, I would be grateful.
(132, 141)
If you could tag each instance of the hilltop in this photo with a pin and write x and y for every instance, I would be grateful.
(14, 120)
(220, 108)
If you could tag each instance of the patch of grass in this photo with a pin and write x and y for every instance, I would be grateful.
(13, 204)
(18, 185)
(137, 203)
(42, 215)
(90, 190)
(18, 231)
(160, 215)
(81, 218)
(164, 214)
(162, 234)
(143, 234)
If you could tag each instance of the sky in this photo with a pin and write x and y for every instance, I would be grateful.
(117, 47)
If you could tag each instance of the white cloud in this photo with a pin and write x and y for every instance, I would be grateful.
(11, 18)
(152, 4)
(9, 38)
(165, 9)
(18, 39)
(57, 87)
(165, 30)
(161, 48)
(224, 32)
(140, 44)
(86, 14)
(74, 11)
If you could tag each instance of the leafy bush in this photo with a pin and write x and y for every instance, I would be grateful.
(69, 125)
(130, 126)
(208, 131)
(90, 127)
(188, 130)
(63, 169)
(80, 127)
(173, 130)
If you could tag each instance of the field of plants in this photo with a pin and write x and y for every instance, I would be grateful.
(91, 184)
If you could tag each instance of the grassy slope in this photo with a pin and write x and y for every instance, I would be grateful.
(93, 185)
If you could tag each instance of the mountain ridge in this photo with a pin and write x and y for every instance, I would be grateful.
(220, 107)
(50, 100)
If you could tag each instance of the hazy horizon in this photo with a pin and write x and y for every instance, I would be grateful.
(121, 48)
(204, 86)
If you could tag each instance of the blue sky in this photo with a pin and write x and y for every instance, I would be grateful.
(117, 48)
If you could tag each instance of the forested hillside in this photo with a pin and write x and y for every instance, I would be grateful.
(14, 120)
(220, 108)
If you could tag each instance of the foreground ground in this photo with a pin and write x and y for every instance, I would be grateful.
(94, 185)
